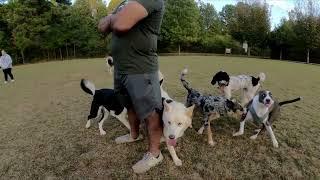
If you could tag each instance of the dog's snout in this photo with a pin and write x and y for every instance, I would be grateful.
(171, 136)
(268, 100)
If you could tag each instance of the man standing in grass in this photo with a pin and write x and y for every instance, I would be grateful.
(135, 27)
(6, 65)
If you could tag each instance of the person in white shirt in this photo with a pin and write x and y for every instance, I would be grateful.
(6, 65)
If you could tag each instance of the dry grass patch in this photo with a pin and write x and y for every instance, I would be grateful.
(44, 112)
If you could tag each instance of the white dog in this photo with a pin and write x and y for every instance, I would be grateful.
(247, 84)
(176, 119)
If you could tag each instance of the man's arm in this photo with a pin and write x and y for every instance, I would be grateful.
(124, 20)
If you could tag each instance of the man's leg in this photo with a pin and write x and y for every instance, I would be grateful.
(134, 129)
(153, 157)
(124, 99)
(134, 123)
(145, 94)
(154, 127)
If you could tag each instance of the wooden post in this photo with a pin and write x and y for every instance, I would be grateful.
(60, 53)
(308, 54)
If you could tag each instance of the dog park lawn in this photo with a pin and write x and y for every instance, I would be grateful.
(43, 117)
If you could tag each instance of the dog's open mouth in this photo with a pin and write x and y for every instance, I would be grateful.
(172, 142)
(268, 104)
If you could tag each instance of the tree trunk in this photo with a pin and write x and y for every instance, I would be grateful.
(179, 49)
(60, 53)
(74, 50)
(308, 53)
(249, 49)
(280, 53)
(48, 53)
(55, 54)
(22, 54)
(67, 51)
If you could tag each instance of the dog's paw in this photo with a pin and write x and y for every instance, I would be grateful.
(212, 143)
(276, 145)
(237, 134)
(200, 131)
(102, 133)
(253, 137)
(177, 162)
(88, 124)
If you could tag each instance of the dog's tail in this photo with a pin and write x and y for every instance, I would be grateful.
(262, 76)
(110, 61)
(87, 86)
(290, 101)
(183, 81)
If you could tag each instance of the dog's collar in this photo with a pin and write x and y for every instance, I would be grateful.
(255, 116)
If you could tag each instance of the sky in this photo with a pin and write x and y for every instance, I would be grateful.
(279, 8)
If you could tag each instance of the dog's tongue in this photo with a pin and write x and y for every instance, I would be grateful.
(172, 142)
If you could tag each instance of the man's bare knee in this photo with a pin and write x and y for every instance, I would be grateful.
(154, 122)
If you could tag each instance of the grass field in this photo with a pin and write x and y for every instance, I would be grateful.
(43, 114)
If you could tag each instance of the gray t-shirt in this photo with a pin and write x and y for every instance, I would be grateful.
(135, 52)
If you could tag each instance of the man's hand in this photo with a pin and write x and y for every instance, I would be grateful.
(123, 20)
(105, 24)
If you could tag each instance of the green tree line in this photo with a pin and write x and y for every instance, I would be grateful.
(34, 30)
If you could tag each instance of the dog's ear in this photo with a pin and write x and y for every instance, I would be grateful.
(161, 81)
(189, 111)
(214, 79)
(166, 105)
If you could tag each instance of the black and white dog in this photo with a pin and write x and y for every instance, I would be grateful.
(247, 84)
(110, 65)
(263, 109)
(104, 102)
(212, 107)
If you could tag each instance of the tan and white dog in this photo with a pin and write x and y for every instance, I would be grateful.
(176, 120)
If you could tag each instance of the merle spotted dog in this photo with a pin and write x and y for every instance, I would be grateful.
(212, 107)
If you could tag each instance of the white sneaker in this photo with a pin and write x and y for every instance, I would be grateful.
(12, 80)
(147, 162)
(127, 139)
(6, 82)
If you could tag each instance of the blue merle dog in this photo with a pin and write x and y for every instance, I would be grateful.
(212, 107)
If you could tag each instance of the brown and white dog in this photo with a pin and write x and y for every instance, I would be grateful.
(263, 109)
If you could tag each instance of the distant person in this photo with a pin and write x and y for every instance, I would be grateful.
(6, 65)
